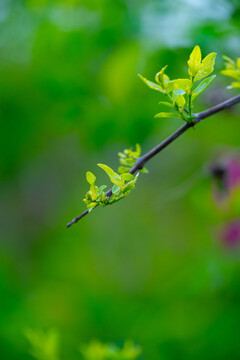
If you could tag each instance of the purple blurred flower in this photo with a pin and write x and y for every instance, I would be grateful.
(226, 175)
(230, 233)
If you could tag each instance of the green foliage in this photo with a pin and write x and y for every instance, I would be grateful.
(127, 159)
(44, 345)
(123, 184)
(232, 69)
(99, 351)
(182, 91)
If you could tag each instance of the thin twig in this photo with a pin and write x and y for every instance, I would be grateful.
(150, 154)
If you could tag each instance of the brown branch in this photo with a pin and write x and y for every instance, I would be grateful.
(150, 154)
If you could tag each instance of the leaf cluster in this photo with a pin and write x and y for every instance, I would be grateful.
(182, 92)
(127, 159)
(123, 184)
(43, 345)
(46, 346)
(99, 351)
(232, 70)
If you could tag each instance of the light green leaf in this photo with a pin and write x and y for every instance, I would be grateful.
(238, 63)
(202, 86)
(138, 150)
(206, 67)
(235, 74)
(93, 192)
(123, 169)
(90, 177)
(230, 63)
(113, 176)
(116, 189)
(151, 84)
(127, 177)
(236, 85)
(144, 170)
(159, 78)
(180, 101)
(179, 84)
(101, 189)
(165, 104)
(167, 115)
(194, 61)
(131, 184)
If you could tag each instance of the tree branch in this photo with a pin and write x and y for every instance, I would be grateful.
(150, 154)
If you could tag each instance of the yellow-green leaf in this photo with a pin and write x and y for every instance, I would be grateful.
(151, 84)
(90, 177)
(127, 177)
(167, 115)
(202, 86)
(194, 61)
(238, 63)
(230, 64)
(159, 78)
(165, 104)
(180, 101)
(236, 85)
(113, 176)
(183, 84)
(235, 74)
(206, 67)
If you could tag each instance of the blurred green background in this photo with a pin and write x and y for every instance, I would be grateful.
(150, 268)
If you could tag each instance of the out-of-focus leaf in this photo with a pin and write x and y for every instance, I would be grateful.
(235, 74)
(44, 346)
(230, 64)
(236, 85)
(206, 67)
(202, 86)
(167, 115)
(238, 63)
(123, 169)
(165, 104)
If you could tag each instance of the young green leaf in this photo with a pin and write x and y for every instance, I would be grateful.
(180, 101)
(113, 176)
(167, 115)
(116, 189)
(206, 67)
(194, 61)
(230, 64)
(127, 177)
(123, 169)
(238, 63)
(165, 104)
(101, 189)
(90, 177)
(151, 84)
(236, 85)
(179, 84)
(159, 78)
(235, 74)
(202, 86)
